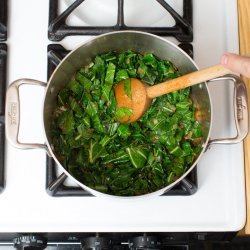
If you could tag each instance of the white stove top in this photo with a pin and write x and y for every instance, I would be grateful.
(219, 203)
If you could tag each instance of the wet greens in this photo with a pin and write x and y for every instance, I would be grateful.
(124, 159)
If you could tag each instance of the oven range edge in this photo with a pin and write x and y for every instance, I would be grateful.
(112, 241)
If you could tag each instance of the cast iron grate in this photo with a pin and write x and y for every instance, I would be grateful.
(55, 184)
(3, 19)
(58, 28)
(3, 67)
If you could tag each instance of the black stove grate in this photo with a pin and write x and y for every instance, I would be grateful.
(3, 66)
(55, 184)
(58, 28)
(3, 19)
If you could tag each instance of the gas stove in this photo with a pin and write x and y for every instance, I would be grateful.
(40, 204)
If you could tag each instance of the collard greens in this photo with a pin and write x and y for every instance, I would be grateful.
(124, 159)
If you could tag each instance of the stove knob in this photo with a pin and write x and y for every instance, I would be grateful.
(144, 243)
(96, 243)
(30, 242)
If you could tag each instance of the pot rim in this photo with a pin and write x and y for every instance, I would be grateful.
(157, 192)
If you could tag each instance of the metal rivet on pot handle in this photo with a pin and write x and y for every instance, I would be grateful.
(240, 110)
(13, 114)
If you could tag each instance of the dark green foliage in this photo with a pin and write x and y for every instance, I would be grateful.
(124, 159)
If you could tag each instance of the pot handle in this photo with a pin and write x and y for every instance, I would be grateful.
(12, 118)
(240, 110)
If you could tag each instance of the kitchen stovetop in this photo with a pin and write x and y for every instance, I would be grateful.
(25, 204)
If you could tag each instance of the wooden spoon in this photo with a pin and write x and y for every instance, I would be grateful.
(142, 94)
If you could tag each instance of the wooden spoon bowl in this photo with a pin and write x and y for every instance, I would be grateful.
(138, 102)
(142, 94)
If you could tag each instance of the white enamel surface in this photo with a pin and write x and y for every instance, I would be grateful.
(219, 203)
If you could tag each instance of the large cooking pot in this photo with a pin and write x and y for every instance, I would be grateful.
(122, 41)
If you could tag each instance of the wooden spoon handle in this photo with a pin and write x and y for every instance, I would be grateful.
(187, 80)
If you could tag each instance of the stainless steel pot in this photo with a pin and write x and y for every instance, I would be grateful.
(121, 41)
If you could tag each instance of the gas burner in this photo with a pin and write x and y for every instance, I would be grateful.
(55, 184)
(3, 19)
(3, 65)
(177, 25)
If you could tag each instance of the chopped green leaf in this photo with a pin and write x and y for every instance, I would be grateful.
(122, 112)
(127, 88)
(96, 151)
(66, 122)
(137, 156)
